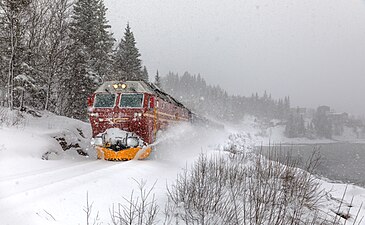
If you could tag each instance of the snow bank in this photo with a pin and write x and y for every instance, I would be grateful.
(53, 191)
(35, 136)
(38, 191)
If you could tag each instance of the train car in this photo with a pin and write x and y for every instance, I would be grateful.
(125, 117)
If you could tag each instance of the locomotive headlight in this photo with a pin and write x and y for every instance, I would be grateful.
(132, 142)
(97, 141)
(119, 85)
(94, 114)
(137, 114)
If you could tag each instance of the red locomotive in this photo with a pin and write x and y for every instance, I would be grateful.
(125, 117)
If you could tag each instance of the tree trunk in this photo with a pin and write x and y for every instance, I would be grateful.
(11, 65)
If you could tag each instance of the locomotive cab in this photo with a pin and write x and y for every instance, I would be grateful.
(125, 117)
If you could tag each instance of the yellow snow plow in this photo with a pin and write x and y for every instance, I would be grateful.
(116, 144)
(123, 155)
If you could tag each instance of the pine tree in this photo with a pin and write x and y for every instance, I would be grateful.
(91, 48)
(89, 31)
(290, 128)
(322, 122)
(102, 54)
(145, 74)
(127, 65)
(295, 126)
(157, 80)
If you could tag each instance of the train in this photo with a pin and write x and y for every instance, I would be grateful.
(125, 117)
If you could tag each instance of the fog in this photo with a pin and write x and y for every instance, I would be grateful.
(313, 51)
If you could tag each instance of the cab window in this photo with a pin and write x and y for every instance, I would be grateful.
(131, 101)
(104, 100)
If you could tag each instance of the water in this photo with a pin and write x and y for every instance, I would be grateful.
(344, 162)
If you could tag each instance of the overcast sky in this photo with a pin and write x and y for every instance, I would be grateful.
(311, 50)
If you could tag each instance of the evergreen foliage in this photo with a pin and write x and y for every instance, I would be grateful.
(322, 122)
(145, 74)
(90, 54)
(295, 126)
(127, 64)
(52, 54)
(213, 101)
(158, 79)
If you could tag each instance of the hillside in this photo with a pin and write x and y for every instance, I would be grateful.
(43, 183)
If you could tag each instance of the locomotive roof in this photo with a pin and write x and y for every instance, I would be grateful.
(131, 86)
(137, 86)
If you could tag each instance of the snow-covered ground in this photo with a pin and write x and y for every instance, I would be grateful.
(37, 191)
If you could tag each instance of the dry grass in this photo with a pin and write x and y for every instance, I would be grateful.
(245, 189)
(234, 188)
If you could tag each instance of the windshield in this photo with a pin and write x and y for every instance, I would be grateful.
(131, 101)
(104, 100)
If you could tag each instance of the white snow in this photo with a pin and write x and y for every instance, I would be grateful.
(36, 191)
(53, 191)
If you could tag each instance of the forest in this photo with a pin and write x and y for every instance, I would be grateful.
(55, 53)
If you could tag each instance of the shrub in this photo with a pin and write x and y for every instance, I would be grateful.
(234, 190)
